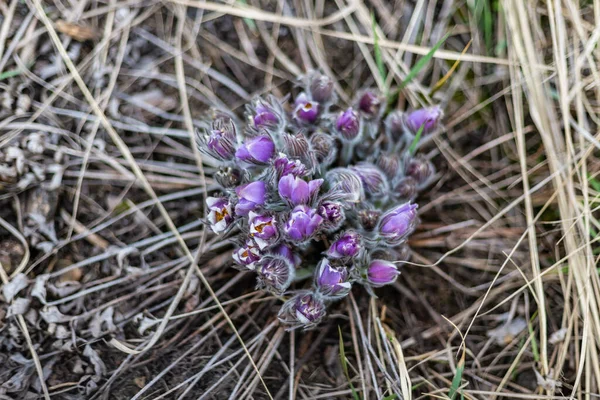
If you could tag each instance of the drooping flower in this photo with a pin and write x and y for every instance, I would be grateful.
(331, 281)
(220, 214)
(263, 229)
(303, 222)
(306, 111)
(374, 181)
(257, 150)
(348, 245)
(381, 273)
(399, 222)
(297, 191)
(348, 124)
(285, 166)
(275, 273)
(251, 195)
(305, 310)
(428, 118)
(247, 255)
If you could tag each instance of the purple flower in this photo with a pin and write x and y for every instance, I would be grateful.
(264, 115)
(285, 166)
(420, 169)
(381, 273)
(405, 188)
(258, 150)
(302, 223)
(220, 215)
(428, 118)
(275, 273)
(297, 191)
(374, 181)
(348, 124)
(303, 310)
(346, 246)
(332, 213)
(332, 281)
(285, 251)
(396, 224)
(321, 87)
(220, 142)
(389, 164)
(263, 229)
(251, 195)
(306, 111)
(369, 103)
(247, 255)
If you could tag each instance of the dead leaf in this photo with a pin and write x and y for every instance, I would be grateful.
(12, 288)
(77, 32)
(18, 307)
(506, 333)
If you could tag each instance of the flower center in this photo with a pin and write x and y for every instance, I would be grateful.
(220, 215)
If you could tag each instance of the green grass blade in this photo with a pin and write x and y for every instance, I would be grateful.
(457, 377)
(345, 365)
(413, 145)
(377, 49)
(10, 74)
(250, 22)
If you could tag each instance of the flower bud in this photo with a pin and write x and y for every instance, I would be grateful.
(247, 255)
(263, 229)
(251, 195)
(220, 142)
(220, 215)
(257, 150)
(303, 310)
(296, 146)
(285, 251)
(345, 184)
(399, 222)
(275, 273)
(297, 191)
(348, 124)
(429, 118)
(228, 177)
(381, 273)
(306, 111)
(394, 125)
(405, 188)
(302, 223)
(284, 166)
(369, 218)
(331, 281)
(321, 87)
(374, 181)
(420, 169)
(389, 164)
(264, 115)
(369, 103)
(332, 214)
(347, 246)
(324, 148)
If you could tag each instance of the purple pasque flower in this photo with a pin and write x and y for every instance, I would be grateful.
(264, 115)
(302, 223)
(286, 251)
(284, 166)
(374, 181)
(321, 87)
(306, 111)
(247, 255)
(332, 213)
(250, 195)
(347, 245)
(304, 310)
(324, 149)
(381, 273)
(297, 191)
(394, 124)
(220, 215)
(405, 188)
(332, 281)
(256, 150)
(275, 273)
(263, 229)
(369, 103)
(399, 222)
(348, 124)
(389, 164)
(428, 118)
(420, 169)
(220, 141)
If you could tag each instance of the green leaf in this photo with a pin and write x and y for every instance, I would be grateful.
(10, 74)
(457, 377)
(345, 365)
(413, 145)
(393, 98)
(391, 397)
(377, 49)
(249, 21)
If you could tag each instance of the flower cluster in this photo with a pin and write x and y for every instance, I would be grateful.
(314, 189)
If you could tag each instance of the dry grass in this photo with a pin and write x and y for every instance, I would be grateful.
(128, 297)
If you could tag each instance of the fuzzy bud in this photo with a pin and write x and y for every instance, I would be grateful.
(374, 181)
(332, 214)
(348, 124)
(221, 141)
(264, 115)
(394, 124)
(381, 273)
(399, 222)
(284, 166)
(428, 118)
(420, 169)
(345, 184)
(369, 218)
(323, 147)
(389, 164)
(405, 188)
(305, 310)
(321, 87)
(369, 103)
